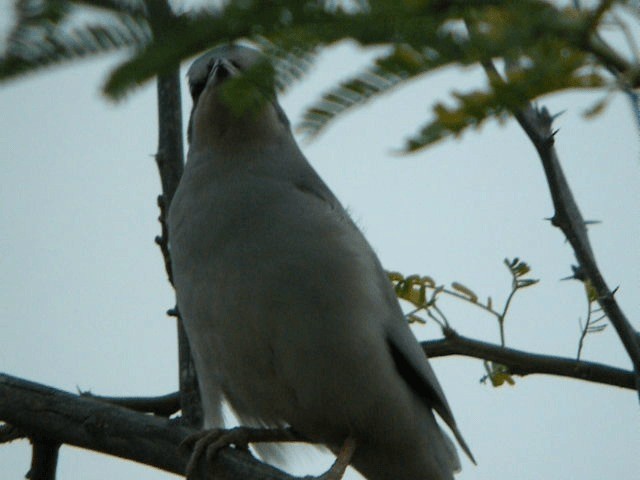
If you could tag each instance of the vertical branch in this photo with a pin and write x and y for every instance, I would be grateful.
(44, 460)
(567, 217)
(170, 161)
(537, 124)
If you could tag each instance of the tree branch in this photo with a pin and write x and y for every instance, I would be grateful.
(164, 405)
(567, 217)
(170, 160)
(525, 363)
(62, 417)
(44, 460)
(537, 125)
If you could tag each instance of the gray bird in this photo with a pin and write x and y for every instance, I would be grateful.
(290, 316)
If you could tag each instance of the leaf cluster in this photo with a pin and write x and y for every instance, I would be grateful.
(424, 293)
(542, 48)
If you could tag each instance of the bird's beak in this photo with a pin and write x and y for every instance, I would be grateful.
(221, 70)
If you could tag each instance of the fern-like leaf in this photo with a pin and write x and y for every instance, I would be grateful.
(389, 71)
(134, 8)
(34, 46)
(550, 66)
(188, 35)
(290, 64)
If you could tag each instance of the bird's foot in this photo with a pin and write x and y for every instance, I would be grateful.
(210, 442)
(343, 459)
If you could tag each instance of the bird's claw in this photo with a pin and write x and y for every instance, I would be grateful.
(210, 442)
(343, 458)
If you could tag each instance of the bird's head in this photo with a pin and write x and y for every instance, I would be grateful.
(243, 110)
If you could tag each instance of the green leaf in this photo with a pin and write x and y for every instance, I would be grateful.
(598, 107)
(290, 65)
(403, 64)
(498, 374)
(32, 48)
(467, 292)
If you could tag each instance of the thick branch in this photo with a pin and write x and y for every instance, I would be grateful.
(524, 363)
(61, 417)
(44, 460)
(164, 405)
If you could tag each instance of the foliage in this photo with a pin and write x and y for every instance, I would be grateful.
(542, 47)
(423, 293)
(41, 36)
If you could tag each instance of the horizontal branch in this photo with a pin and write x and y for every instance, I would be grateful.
(60, 417)
(164, 405)
(524, 363)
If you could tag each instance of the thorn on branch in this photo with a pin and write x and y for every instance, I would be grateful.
(536, 122)
(592, 222)
(544, 116)
(609, 296)
(578, 274)
(550, 140)
(162, 240)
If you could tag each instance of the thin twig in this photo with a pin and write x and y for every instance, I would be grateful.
(624, 78)
(629, 38)
(429, 306)
(502, 316)
(585, 330)
(482, 306)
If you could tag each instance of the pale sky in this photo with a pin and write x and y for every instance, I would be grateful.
(83, 289)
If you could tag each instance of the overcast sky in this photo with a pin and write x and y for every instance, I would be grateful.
(83, 289)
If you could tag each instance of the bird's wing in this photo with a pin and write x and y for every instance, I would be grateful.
(408, 356)
(412, 366)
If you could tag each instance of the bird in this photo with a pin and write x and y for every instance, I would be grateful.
(289, 313)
